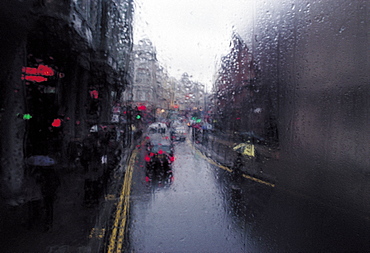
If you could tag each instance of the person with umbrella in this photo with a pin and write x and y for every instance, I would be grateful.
(246, 149)
(49, 182)
(33, 196)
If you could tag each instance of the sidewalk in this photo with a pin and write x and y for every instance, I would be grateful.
(71, 222)
(76, 227)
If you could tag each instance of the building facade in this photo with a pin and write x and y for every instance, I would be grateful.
(152, 87)
(66, 65)
(239, 102)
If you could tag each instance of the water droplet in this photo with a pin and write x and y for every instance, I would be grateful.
(342, 29)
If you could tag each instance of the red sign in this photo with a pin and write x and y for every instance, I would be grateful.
(37, 79)
(41, 70)
(38, 74)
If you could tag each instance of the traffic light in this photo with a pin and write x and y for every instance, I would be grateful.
(138, 116)
(27, 116)
(196, 119)
(57, 123)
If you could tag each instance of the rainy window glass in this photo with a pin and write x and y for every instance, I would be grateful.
(184, 126)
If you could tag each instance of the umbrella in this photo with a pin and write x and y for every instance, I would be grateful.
(245, 149)
(40, 160)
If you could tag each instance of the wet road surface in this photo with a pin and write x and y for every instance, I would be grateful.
(187, 215)
(207, 209)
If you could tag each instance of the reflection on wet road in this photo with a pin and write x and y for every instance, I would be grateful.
(189, 215)
(206, 209)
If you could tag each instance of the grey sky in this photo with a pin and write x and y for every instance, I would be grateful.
(190, 35)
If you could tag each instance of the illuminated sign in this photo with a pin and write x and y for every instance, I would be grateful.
(39, 74)
(41, 70)
(37, 79)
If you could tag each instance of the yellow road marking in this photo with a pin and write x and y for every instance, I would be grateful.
(97, 233)
(118, 231)
(209, 160)
(258, 180)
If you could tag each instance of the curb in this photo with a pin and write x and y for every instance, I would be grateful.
(100, 233)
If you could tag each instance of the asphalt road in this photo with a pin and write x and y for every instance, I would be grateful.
(207, 208)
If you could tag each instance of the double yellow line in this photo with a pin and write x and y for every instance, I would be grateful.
(123, 205)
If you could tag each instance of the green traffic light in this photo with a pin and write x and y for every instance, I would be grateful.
(27, 116)
(138, 117)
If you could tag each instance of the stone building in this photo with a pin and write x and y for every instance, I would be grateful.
(65, 64)
(189, 94)
(151, 85)
(237, 94)
(144, 73)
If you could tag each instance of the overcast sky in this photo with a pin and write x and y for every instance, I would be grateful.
(190, 35)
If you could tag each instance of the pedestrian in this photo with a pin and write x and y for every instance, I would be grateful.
(50, 183)
(93, 186)
(33, 197)
(74, 153)
(90, 151)
(237, 172)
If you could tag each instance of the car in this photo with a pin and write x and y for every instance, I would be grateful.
(158, 127)
(176, 123)
(179, 133)
(159, 158)
(151, 138)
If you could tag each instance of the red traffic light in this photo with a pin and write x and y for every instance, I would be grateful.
(57, 123)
